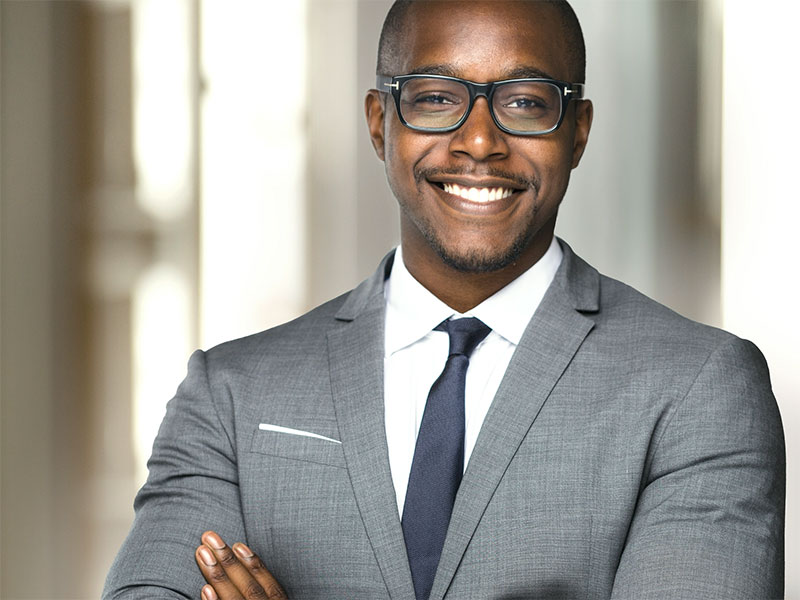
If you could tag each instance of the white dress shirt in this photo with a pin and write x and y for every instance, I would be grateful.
(415, 355)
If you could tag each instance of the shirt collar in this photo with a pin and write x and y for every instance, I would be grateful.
(412, 311)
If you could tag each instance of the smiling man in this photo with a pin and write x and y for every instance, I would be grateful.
(486, 416)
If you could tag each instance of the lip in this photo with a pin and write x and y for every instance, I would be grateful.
(487, 182)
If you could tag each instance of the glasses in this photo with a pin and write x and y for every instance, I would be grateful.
(531, 106)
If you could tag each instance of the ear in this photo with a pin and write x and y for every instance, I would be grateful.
(584, 112)
(374, 111)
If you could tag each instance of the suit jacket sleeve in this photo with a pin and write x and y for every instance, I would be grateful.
(709, 519)
(192, 487)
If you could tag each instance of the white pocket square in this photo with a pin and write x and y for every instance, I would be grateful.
(290, 431)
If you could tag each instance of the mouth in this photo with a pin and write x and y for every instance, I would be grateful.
(485, 194)
(479, 194)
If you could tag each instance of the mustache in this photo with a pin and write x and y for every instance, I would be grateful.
(519, 181)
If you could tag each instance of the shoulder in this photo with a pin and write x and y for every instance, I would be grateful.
(634, 323)
(287, 361)
(638, 343)
(625, 321)
(287, 342)
(301, 341)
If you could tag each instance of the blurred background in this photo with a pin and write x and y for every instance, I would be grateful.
(175, 173)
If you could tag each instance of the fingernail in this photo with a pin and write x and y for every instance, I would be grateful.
(215, 541)
(243, 550)
(209, 593)
(207, 557)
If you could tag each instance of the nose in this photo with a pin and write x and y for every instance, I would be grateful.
(479, 137)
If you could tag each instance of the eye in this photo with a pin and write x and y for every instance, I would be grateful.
(435, 98)
(525, 102)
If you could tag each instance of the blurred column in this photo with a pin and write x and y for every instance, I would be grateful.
(253, 209)
(378, 213)
(165, 155)
(138, 220)
(636, 207)
(27, 364)
(333, 100)
(761, 212)
(353, 217)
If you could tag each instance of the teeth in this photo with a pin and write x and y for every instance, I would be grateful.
(477, 194)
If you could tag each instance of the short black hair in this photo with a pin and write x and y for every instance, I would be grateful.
(390, 44)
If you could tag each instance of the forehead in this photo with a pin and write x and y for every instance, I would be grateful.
(484, 40)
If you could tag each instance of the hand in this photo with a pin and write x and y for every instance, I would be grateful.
(234, 573)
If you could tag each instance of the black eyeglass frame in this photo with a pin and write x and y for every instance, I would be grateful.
(569, 91)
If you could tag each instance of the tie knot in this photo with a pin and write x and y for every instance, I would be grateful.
(465, 334)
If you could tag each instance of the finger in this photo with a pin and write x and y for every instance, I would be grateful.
(209, 593)
(235, 581)
(261, 574)
(215, 575)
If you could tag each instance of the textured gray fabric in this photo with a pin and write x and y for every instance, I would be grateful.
(629, 453)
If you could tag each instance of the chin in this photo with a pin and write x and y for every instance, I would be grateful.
(479, 260)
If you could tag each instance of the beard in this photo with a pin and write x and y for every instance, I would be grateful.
(475, 260)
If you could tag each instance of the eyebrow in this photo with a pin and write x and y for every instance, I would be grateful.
(527, 72)
(450, 70)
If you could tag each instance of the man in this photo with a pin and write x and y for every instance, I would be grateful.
(609, 447)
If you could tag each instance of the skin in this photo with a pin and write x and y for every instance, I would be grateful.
(234, 573)
(462, 251)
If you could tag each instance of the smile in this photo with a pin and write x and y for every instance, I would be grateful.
(477, 194)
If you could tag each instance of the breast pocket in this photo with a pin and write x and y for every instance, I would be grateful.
(314, 444)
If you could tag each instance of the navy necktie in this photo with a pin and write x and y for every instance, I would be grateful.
(438, 457)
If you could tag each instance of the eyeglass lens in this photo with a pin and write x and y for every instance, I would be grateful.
(527, 106)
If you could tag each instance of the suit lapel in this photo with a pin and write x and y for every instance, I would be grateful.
(549, 343)
(355, 350)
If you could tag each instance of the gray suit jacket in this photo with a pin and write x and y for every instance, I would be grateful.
(629, 453)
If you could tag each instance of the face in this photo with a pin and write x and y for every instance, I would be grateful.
(481, 42)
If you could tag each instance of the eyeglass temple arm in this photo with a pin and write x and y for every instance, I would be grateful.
(384, 83)
(574, 90)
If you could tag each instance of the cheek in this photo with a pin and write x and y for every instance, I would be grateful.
(396, 149)
(398, 173)
(550, 161)
(405, 151)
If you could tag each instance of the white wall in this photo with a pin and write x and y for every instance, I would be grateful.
(761, 213)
